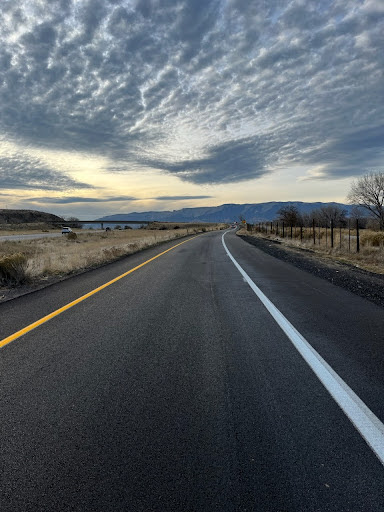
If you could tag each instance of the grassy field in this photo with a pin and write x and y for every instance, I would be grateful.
(38, 259)
(370, 257)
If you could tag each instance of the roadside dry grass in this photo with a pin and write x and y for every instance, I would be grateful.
(10, 232)
(28, 229)
(47, 257)
(370, 257)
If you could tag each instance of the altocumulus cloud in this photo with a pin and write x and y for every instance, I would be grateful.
(212, 91)
(178, 198)
(79, 199)
(23, 172)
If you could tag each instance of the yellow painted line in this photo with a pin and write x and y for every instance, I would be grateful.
(32, 326)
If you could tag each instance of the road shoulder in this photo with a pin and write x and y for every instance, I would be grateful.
(361, 282)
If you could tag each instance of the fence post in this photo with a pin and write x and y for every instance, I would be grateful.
(291, 231)
(340, 236)
(349, 235)
(277, 229)
(331, 232)
(357, 236)
(283, 229)
(314, 232)
(301, 233)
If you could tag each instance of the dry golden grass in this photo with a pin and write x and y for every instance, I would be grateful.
(14, 232)
(59, 256)
(370, 257)
(30, 228)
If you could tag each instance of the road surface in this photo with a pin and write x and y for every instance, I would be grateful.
(175, 388)
(33, 236)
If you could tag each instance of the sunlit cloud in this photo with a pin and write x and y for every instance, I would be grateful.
(74, 199)
(118, 199)
(214, 92)
(179, 198)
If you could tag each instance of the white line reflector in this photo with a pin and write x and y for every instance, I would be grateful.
(369, 425)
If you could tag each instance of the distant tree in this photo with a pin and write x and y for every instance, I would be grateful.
(334, 213)
(368, 192)
(289, 215)
(361, 214)
(73, 222)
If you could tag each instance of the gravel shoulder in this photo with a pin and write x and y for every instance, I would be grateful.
(361, 282)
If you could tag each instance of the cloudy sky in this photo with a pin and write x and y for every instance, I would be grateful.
(112, 106)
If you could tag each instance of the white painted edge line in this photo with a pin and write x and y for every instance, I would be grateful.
(368, 425)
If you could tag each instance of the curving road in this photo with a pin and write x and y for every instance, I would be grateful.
(175, 388)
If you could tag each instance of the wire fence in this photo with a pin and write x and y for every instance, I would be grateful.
(329, 236)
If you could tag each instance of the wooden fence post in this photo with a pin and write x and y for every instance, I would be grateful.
(314, 232)
(349, 235)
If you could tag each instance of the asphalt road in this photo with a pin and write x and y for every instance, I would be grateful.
(17, 238)
(174, 389)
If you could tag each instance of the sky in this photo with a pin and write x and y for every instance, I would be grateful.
(115, 106)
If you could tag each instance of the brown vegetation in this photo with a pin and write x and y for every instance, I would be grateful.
(370, 257)
(41, 258)
(10, 218)
(13, 269)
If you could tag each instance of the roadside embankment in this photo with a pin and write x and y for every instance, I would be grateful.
(27, 264)
(359, 281)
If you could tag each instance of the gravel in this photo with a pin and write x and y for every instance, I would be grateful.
(361, 282)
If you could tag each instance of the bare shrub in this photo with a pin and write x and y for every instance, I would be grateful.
(58, 256)
(13, 269)
(71, 236)
(375, 239)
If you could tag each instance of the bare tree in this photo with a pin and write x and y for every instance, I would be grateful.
(289, 215)
(334, 213)
(74, 222)
(368, 192)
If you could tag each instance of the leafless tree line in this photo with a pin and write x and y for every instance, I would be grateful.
(367, 196)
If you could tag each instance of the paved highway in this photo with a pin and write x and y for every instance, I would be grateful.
(17, 238)
(176, 389)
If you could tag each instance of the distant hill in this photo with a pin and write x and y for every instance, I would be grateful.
(254, 212)
(26, 217)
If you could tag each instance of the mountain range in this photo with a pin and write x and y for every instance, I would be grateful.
(254, 212)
